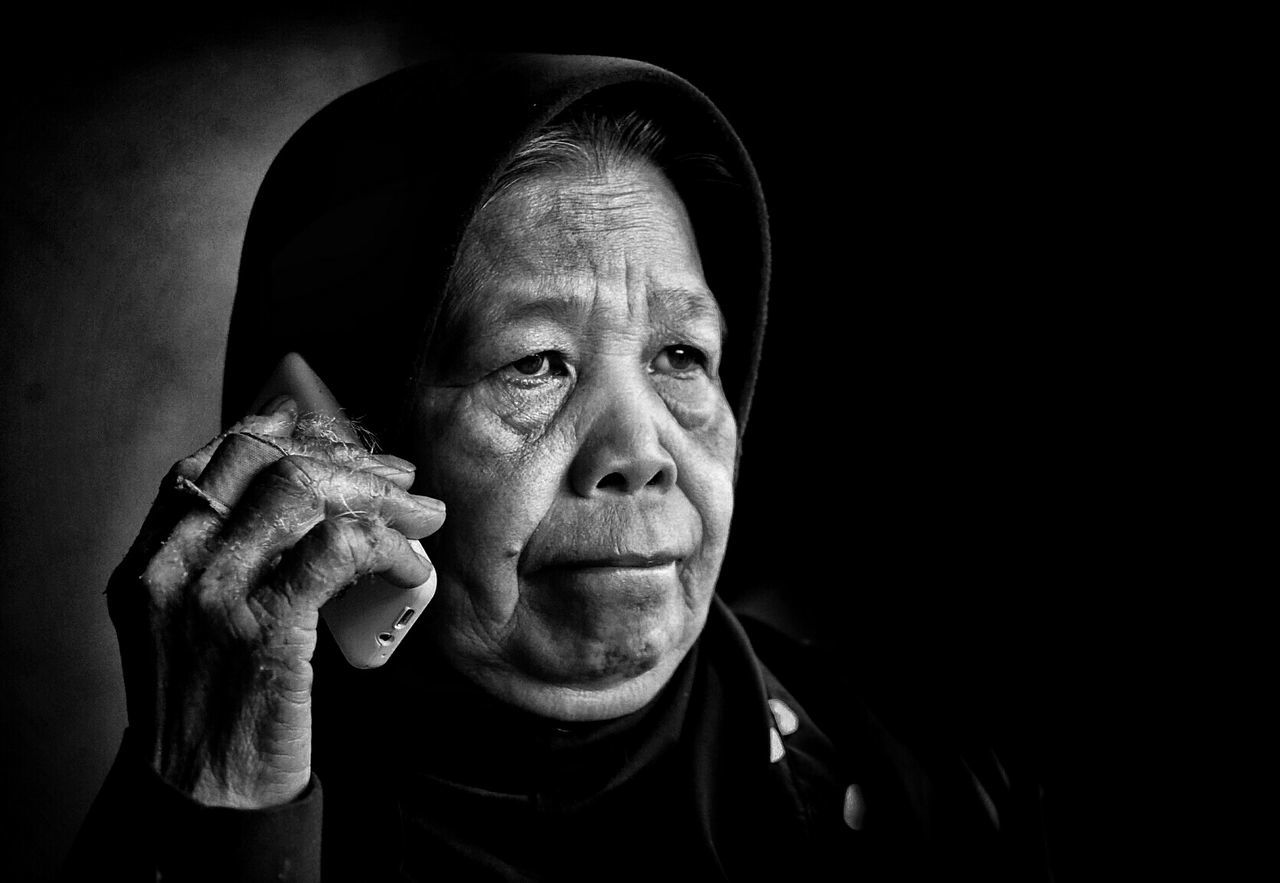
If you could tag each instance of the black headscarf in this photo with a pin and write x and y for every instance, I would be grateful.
(346, 259)
(358, 222)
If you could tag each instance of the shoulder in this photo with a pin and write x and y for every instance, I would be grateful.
(919, 783)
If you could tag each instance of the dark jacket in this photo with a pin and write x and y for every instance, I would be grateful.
(725, 775)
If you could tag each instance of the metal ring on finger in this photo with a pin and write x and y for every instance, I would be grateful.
(189, 487)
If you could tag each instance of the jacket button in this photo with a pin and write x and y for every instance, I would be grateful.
(776, 751)
(854, 807)
(784, 717)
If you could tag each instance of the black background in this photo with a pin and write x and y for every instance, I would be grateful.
(943, 473)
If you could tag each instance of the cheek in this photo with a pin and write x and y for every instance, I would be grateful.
(699, 406)
(497, 480)
(709, 453)
(500, 480)
(499, 423)
(513, 416)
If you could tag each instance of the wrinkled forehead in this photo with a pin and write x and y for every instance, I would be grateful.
(569, 231)
(374, 194)
(573, 220)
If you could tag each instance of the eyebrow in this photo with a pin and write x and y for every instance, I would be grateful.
(689, 306)
(556, 307)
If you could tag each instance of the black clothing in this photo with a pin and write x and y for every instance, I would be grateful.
(447, 784)
(355, 228)
(418, 775)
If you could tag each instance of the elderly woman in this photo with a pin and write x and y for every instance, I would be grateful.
(540, 282)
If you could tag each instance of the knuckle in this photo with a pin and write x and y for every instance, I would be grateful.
(328, 555)
(354, 536)
(186, 469)
(193, 464)
(223, 618)
(158, 578)
(208, 596)
(296, 470)
(321, 448)
(354, 539)
(296, 478)
(151, 582)
(332, 533)
(308, 571)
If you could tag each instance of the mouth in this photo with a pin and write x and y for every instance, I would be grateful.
(630, 574)
(616, 562)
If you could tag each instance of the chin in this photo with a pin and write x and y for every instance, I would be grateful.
(606, 656)
(576, 679)
(586, 701)
(567, 660)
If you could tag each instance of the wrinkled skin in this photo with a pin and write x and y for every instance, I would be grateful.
(217, 614)
(579, 432)
(580, 435)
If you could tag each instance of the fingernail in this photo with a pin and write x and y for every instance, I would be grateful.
(429, 503)
(281, 404)
(422, 553)
(396, 462)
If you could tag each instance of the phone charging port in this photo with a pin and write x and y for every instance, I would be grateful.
(405, 617)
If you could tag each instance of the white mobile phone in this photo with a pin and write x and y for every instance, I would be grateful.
(370, 618)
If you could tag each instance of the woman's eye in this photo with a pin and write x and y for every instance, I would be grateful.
(542, 364)
(680, 359)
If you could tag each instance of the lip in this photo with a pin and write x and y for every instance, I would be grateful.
(638, 581)
(625, 561)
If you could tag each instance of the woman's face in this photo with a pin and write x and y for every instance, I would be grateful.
(577, 431)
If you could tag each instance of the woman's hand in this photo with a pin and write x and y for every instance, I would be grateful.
(217, 603)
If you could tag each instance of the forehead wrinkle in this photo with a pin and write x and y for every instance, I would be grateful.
(535, 246)
(533, 298)
(567, 222)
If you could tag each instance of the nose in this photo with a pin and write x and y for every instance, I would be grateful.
(622, 450)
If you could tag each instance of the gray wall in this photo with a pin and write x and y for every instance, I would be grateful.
(126, 195)
(921, 475)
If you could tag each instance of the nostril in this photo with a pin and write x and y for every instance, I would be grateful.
(628, 480)
(614, 480)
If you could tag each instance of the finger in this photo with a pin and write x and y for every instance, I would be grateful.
(164, 531)
(238, 457)
(235, 464)
(242, 456)
(172, 504)
(295, 494)
(245, 449)
(237, 461)
(168, 507)
(333, 555)
(395, 469)
(277, 418)
(308, 483)
(173, 563)
(329, 426)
